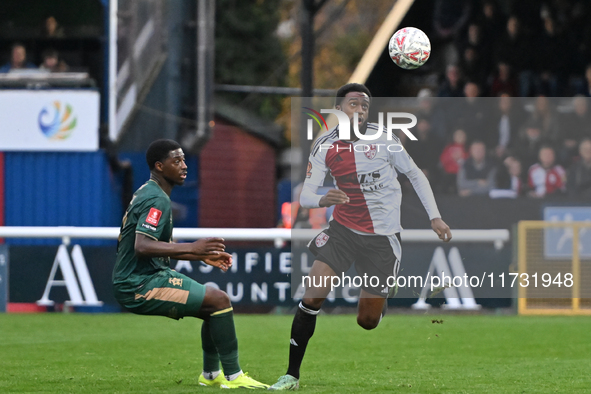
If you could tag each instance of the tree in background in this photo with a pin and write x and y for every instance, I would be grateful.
(248, 52)
(343, 30)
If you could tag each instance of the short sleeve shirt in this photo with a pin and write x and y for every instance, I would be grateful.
(149, 213)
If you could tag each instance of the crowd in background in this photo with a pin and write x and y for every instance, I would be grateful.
(511, 115)
(525, 146)
(49, 59)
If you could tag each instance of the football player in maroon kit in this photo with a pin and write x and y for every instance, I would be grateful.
(365, 229)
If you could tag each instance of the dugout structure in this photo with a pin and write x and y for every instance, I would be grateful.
(554, 248)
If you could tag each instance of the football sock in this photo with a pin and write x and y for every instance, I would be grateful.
(211, 375)
(211, 359)
(223, 333)
(384, 310)
(302, 329)
(233, 376)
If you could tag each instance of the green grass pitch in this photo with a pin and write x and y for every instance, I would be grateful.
(121, 353)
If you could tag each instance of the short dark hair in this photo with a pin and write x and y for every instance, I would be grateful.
(159, 151)
(348, 88)
(49, 52)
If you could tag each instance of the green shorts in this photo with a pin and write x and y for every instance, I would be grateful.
(166, 293)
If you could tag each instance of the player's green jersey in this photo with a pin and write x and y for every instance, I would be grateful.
(149, 213)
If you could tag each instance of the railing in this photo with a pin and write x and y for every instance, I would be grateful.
(278, 235)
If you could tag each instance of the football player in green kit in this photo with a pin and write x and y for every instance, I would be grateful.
(145, 284)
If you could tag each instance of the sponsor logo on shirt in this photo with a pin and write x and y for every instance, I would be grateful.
(154, 216)
(148, 227)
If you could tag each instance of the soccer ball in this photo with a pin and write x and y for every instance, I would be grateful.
(409, 48)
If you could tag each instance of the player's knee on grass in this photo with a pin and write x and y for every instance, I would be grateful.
(368, 322)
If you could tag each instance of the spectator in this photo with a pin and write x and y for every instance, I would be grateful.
(528, 145)
(503, 82)
(18, 59)
(492, 23)
(452, 86)
(477, 174)
(52, 29)
(472, 66)
(579, 174)
(546, 177)
(504, 124)
(425, 151)
(576, 126)
(551, 66)
(479, 50)
(470, 112)
(580, 35)
(450, 17)
(528, 12)
(514, 168)
(449, 20)
(52, 62)
(517, 51)
(545, 115)
(451, 159)
(429, 109)
(509, 182)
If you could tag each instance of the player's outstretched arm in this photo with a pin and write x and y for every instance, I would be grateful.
(442, 229)
(421, 185)
(198, 250)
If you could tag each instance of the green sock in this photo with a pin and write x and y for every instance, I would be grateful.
(211, 359)
(221, 324)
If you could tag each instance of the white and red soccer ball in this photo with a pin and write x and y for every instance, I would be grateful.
(409, 48)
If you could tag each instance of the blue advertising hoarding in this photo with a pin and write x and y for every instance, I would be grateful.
(558, 241)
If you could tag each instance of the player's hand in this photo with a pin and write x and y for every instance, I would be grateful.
(441, 229)
(222, 261)
(208, 246)
(333, 197)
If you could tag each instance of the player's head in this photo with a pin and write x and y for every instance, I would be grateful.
(354, 98)
(166, 158)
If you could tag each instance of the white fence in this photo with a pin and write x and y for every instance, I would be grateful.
(498, 237)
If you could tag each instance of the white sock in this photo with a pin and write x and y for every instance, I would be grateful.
(233, 376)
(211, 375)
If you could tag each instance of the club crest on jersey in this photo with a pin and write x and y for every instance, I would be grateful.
(371, 152)
(154, 216)
(321, 240)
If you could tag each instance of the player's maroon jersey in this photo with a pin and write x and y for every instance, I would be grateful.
(366, 172)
